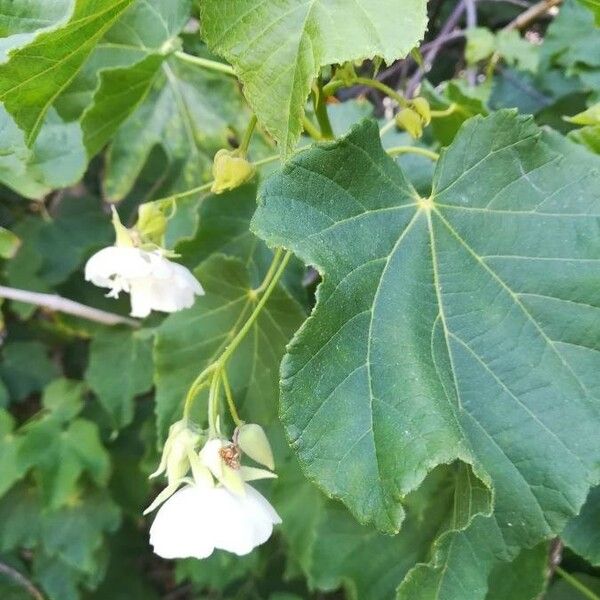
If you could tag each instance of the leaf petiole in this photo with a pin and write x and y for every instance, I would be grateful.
(205, 63)
(575, 583)
(413, 150)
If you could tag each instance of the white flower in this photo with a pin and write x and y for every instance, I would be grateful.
(154, 282)
(198, 518)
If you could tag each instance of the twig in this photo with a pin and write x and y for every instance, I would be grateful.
(555, 556)
(532, 14)
(60, 304)
(435, 47)
(21, 580)
(471, 18)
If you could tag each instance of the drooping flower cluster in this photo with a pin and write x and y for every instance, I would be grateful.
(152, 280)
(215, 508)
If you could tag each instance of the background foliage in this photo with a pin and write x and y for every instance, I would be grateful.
(440, 404)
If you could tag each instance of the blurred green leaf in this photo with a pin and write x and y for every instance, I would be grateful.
(28, 86)
(481, 43)
(9, 243)
(119, 369)
(524, 578)
(11, 470)
(59, 450)
(582, 533)
(26, 368)
(56, 159)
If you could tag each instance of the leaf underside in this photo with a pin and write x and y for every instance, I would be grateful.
(277, 48)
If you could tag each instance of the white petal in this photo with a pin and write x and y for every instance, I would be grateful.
(184, 525)
(247, 521)
(113, 262)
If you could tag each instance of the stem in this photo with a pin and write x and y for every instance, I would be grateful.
(217, 367)
(213, 65)
(173, 197)
(311, 129)
(321, 114)
(531, 14)
(60, 304)
(329, 89)
(195, 389)
(252, 318)
(382, 87)
(266, 161)
(213, 402)
(580, 587)
(436, 114)
(413, 150)
(230, 403)
(435, 47)
(243, 149)
(21, 580)
(272, 268)
(389, 125)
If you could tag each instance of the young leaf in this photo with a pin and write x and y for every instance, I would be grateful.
(445, 335)
(277, 48)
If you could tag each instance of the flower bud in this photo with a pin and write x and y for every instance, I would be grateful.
(410, 120)
(421, 106)
(175, 461)
(152, 223)
(252, 440)
(230, 171)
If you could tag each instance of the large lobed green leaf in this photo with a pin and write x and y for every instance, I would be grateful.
(466, 328)
(277, 48)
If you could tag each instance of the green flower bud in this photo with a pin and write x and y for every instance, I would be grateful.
(152, 223)
(421, 106)
(230, 171)
(410, 120)
(253, 441)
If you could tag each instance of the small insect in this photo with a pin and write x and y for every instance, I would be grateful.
(231, 455)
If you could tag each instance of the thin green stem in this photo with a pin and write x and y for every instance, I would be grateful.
(213, 402)
(230, 403)
(257, 310)
(387, 127)
(243, 149)
(197, 385)
(580, 587)
(329, 89)
(435, 114)
(382, 87)
(271, 271)
(205, 63)
(201, 188)
(311, 129)
(413, 150)
(216, 368)
(266, 161)
(319, 101)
